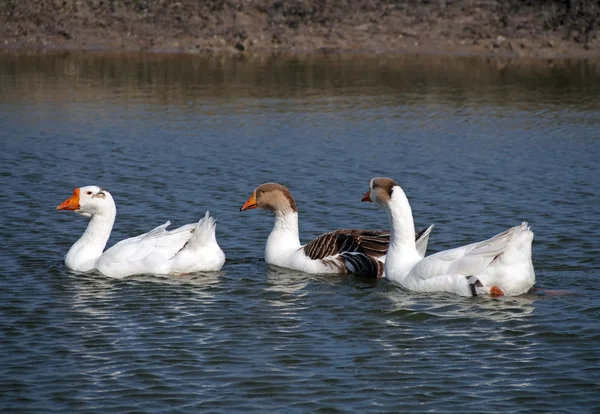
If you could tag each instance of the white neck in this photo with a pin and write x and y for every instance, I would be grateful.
(402, 254)
(284, 237)
(82, 256)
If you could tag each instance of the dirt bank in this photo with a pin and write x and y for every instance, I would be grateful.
(539, 28)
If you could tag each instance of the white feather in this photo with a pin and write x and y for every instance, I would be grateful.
(502, 262)
(189, 248)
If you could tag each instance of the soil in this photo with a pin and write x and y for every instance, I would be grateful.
(530, 28)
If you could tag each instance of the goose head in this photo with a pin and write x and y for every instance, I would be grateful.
(89, 201)
(380, 191)
(273, 197)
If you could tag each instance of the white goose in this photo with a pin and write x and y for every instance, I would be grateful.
(190, 248)
(497, 266)
(340, 251)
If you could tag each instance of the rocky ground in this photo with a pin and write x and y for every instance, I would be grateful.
(538, 28)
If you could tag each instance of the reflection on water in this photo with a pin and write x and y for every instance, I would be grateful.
(422, 306)
(91, 289)
(286, 281)
(182, 79)
(478, 145)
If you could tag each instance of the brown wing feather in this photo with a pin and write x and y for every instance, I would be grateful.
(370, 242)
(357, 250)
(373, 243)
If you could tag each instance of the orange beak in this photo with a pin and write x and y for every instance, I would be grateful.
(250, 203)
(367, 197)
(71, 203)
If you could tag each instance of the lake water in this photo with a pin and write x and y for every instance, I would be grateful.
(477, 145)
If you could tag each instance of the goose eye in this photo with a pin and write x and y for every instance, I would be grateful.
(89, 193)
(262, 191)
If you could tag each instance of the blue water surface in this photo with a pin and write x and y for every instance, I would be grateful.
(478, 147)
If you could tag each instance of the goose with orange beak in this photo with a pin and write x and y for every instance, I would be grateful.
(362, 252)
(497, 266)
(190, 248)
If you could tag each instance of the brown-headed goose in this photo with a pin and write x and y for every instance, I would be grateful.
(497, 266)
(341, 251)
(190, 248)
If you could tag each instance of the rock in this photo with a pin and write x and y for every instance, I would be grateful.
(499, 41)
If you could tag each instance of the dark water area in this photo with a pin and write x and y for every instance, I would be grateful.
(477, 145)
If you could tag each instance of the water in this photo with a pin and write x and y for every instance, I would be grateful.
(477, 145)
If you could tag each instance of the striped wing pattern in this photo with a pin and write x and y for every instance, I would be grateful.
(351, 250)
(371, 242)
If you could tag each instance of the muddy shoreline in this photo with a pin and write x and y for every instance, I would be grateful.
(511, 28)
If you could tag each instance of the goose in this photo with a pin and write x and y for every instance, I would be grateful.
(497, 266)
(190, 248)
(341, 251)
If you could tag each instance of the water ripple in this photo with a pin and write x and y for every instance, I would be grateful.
(475, 151)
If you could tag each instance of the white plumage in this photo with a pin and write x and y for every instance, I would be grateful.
(190, 248)
(497, 266)
(341, 251)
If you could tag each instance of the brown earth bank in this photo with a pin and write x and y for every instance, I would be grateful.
(532, 28)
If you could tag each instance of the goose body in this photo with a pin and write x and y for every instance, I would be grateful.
(498, 266)
(190, 248)
(341, 251)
